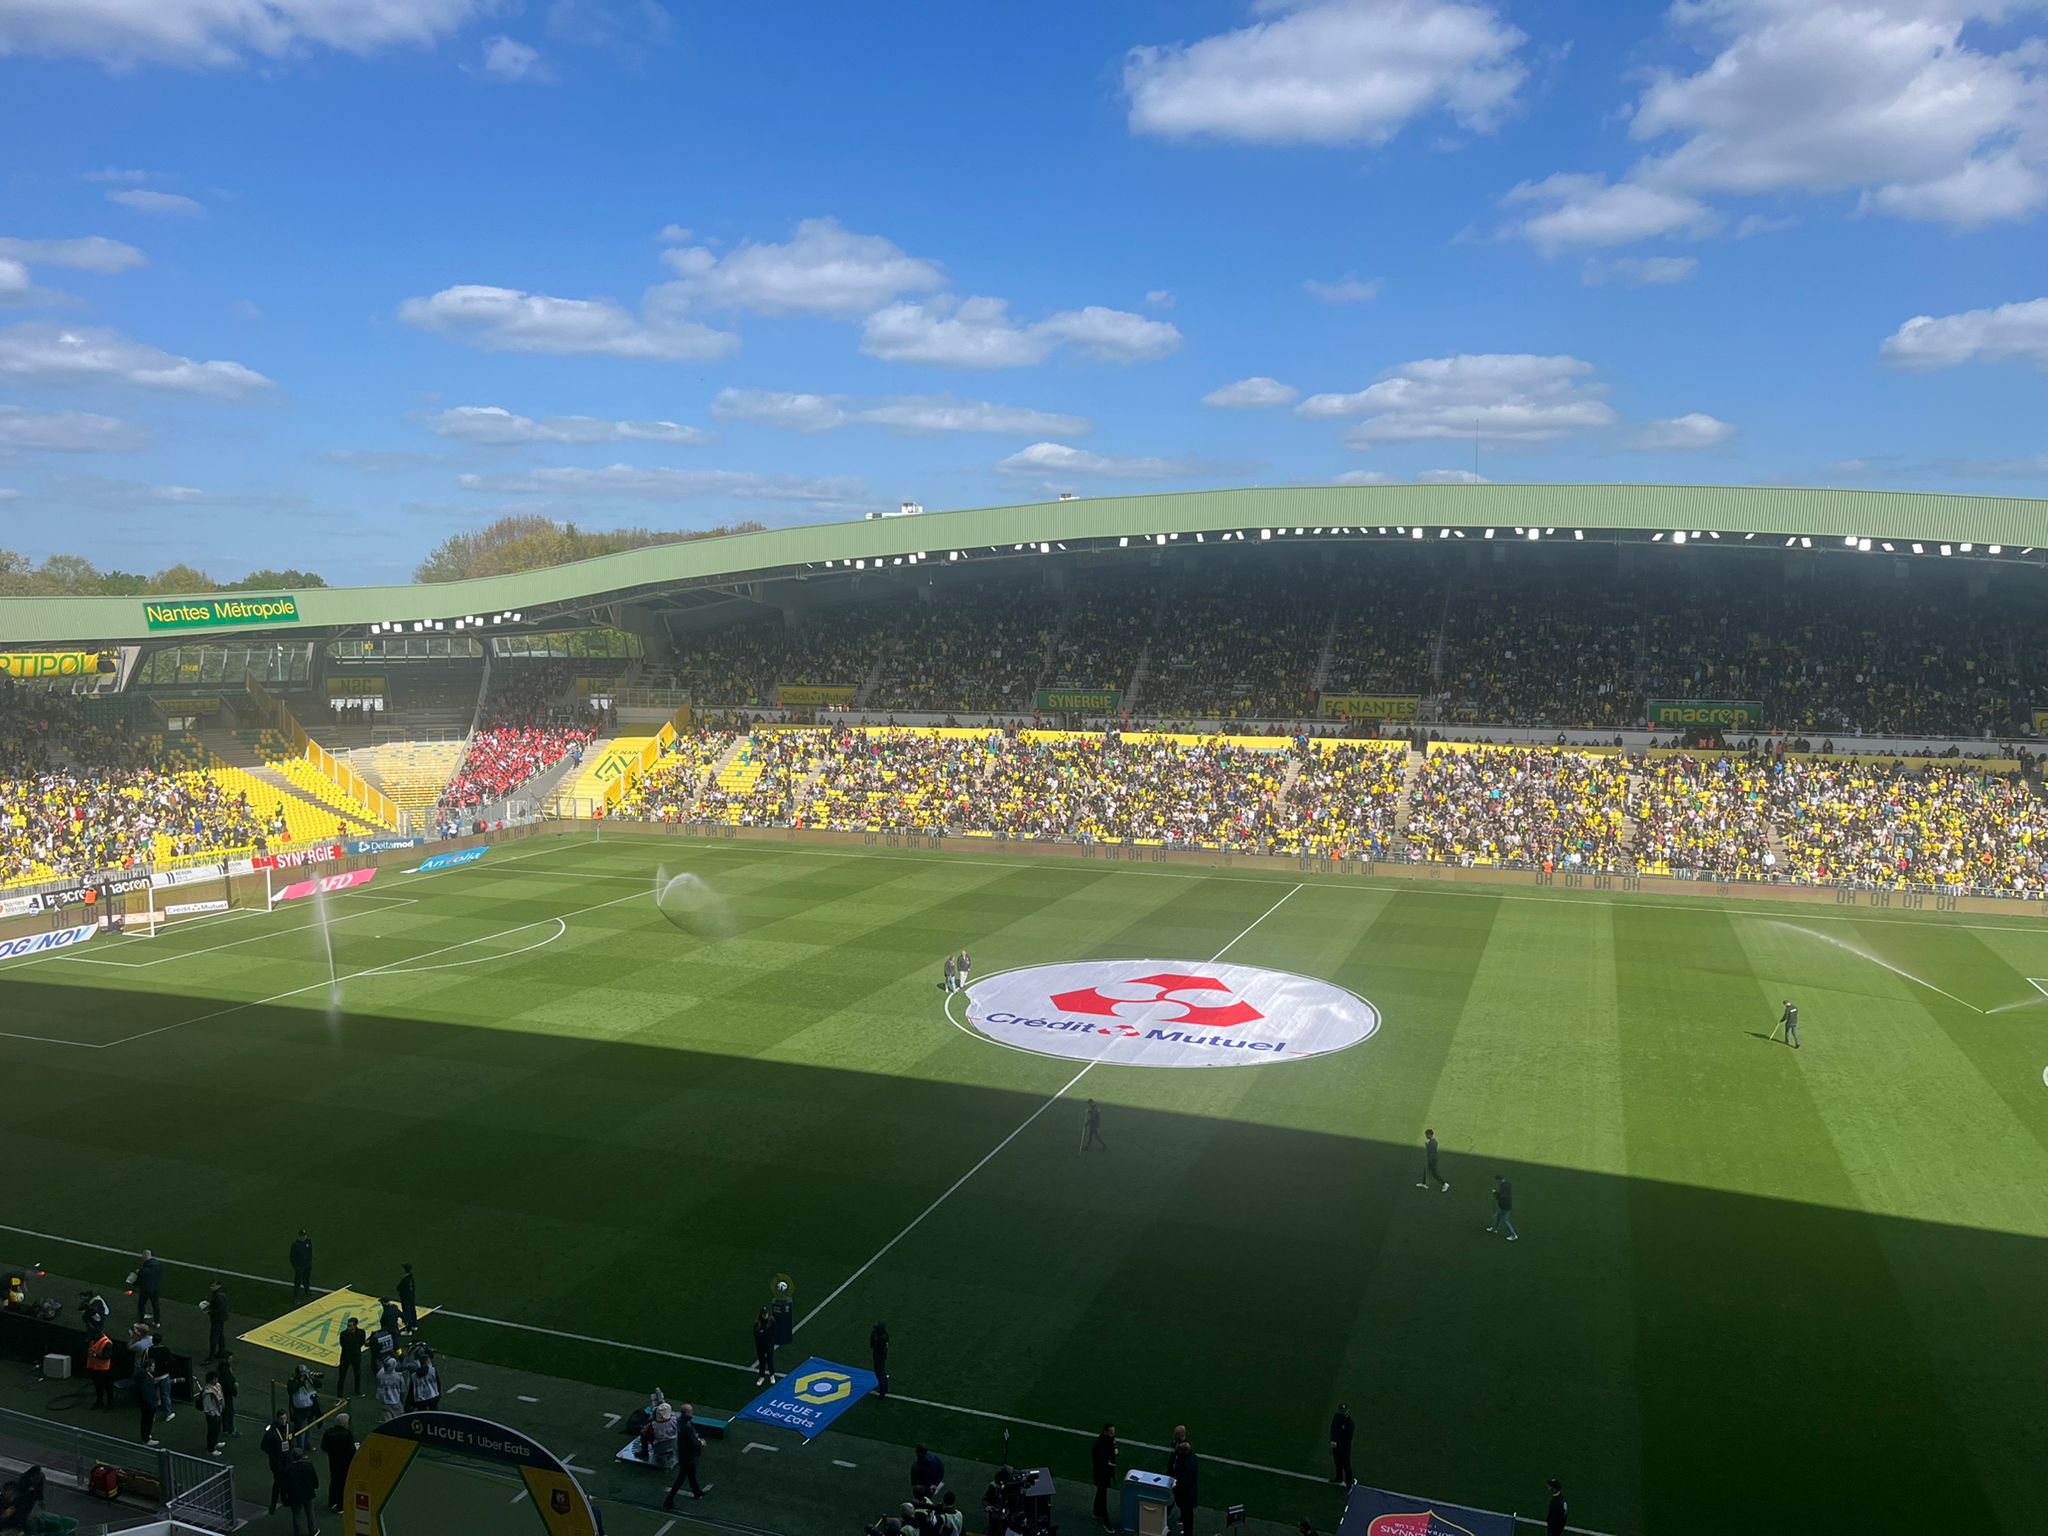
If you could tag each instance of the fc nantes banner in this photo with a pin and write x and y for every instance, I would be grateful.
(388, 1449)
(1704, 712)
(810, 1397)
(29, 665)
(313, 1332)
(1375, 1512)
(1087, 701)
(812, 696)
(1370, 706)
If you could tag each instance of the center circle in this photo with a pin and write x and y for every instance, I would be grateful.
(1168, 1013)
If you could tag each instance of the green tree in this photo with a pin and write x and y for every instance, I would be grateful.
(530, 542)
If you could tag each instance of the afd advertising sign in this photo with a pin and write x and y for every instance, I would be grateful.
(218, 612)
(810, 1397)
(449, 860)
(42, 943)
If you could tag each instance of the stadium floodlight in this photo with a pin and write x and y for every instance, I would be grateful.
(860, 565)
(1863, 545)
(1919, 549)
(1656, 538)
(1968, 547)
(1995, 549)
(1678, 537)
(1946, 551)
(1124, 542)
(1534, 535)
(1579, 535)
(1200, 540)
(1790, 540)
(953, 554)
(1443, 533)
(1849, 539)
(1747, 537)
(1265, 533)
(1158, 538)
(1318, 530)
(1520, 530)
(1416, 534)
(1457, 533)
(1713, 535)
(1297, 533)
(1489, 533)
(1805, 542)
(1553, 530)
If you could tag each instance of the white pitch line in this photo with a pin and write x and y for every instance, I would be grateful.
(393, 968)
(838, 1463)
(390, 903)
(666, 1529)
(671, 1354)
(525, 1399)
(755, 1445)
(1028, 1122)
(1664, 902)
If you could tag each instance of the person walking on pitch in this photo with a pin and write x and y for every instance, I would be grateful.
(1091, 1128)
(764, 1349)
(1503, 1207)
(1429, 1174)
(1343, 1428)
(1789, 1022)
(948, 984)
(961, 967)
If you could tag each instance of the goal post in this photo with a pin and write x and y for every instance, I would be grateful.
(195, 897)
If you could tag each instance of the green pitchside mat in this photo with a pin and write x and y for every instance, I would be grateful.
(1799, 1287)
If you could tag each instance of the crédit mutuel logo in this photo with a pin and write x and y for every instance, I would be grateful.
(1168, 1013)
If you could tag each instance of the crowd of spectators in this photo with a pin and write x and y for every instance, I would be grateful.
(79, 821)
(1507, 805)
(1238, 647)
(669, 789)
(1895, 826)
(1705, 816)
(1543, 653)
(961, 657)
(1344, 802)
(531, 720)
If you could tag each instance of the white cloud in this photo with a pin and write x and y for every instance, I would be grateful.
(1906, 104)
(14, 283)
(1589, 211)
(9, 493)
(653, 484)
(1059, 459)
(978, 333)
(1682, 434)
(143, 200)
(508, 59)
(1335, 72)
(1640, 271)
(823, 269)
(123, 33)
(67, 432)
(1976, 335)
(493, 425)
(1254, 394)
(60, 354)
(906, 415)
(1161, 298)
(1451, 477)
(1364, 477)
(507, 320)
(1492, 397)
(90, 253)
(1112, 335)
(1346, 290)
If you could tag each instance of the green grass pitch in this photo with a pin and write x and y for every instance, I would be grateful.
(1804, 1288)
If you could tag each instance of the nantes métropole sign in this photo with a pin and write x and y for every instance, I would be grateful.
(211, 612)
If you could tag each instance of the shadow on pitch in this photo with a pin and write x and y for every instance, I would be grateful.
(1236, 1277)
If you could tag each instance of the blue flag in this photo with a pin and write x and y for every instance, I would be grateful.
(810, 1397)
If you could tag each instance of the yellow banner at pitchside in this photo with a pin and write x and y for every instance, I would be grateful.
(313, 1332)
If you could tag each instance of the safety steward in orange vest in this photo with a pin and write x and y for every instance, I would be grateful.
(99, 1364)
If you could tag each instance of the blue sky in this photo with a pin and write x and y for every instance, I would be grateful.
(295, 282)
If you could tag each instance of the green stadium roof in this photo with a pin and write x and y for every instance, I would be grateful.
(576, 593)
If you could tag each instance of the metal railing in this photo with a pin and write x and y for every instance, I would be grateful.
(75, 1451)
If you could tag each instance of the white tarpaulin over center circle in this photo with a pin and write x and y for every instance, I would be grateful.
(1168, 1013)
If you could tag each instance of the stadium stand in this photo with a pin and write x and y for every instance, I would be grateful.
(1499, 805)
(532, 720)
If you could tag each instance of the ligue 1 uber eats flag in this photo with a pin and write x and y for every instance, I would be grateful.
(810, 1397)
